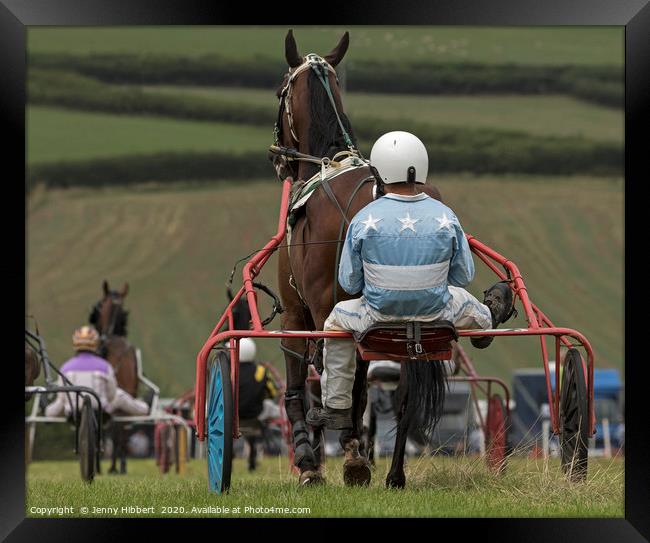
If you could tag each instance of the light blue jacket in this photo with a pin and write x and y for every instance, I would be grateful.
(402, 252)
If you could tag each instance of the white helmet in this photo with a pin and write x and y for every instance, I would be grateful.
(247, 350)
(400, 157)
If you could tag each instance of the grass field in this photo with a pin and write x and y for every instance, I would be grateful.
(436, 487)
(545, 115)
(55, 134)
(527, 45)
(176, 247)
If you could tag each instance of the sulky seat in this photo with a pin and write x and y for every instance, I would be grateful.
(404, 341)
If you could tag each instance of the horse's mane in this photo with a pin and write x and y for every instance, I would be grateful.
(325, 137)
(121, 320)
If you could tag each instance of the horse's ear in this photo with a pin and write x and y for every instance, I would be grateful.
(105, 287)
(291, 51)
(337, 54)
(125, 290)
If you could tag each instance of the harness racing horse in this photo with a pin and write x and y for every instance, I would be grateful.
(311, 121)
(110, 319)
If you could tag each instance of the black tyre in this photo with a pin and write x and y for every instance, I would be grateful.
(574, 418)
(219, 423)
(87, 441)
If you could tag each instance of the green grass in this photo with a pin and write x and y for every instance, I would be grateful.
(526, 45)
(436, 487)
(57, 134)
(176, 247)
(544, 115)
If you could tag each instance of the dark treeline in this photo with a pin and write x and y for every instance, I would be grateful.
(483, 153)
(600, 84)
(451, 148)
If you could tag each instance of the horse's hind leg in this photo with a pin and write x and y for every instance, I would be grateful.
(370, 436)
(396, 477)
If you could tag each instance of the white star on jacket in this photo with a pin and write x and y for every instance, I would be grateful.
(408, 223)
(445, 222)
(371, 223)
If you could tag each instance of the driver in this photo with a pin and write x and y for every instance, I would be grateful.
(88, 369)
(407, 254)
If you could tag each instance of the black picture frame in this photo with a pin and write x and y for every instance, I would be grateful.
(634, 15)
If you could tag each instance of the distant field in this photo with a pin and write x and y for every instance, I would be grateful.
(539, 115)
(176, 248)
(528, 45)
(58, 134)
(436, 487)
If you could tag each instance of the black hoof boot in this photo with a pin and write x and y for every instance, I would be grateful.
(500, 300)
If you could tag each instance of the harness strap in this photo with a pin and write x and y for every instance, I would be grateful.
(293, 353)
(338, 245)
(330, 194)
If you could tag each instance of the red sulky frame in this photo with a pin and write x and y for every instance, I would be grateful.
(538, 325)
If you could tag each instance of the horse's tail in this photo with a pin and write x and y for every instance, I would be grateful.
(423, 385)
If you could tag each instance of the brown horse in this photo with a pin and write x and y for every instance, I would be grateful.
(307, 273)
(32, 368)
(110, 319)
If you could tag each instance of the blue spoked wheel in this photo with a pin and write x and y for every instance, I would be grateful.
(220, 415)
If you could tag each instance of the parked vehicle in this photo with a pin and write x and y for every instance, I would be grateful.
(530, 409)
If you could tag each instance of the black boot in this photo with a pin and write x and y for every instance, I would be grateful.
(332, 419)
(500, 300)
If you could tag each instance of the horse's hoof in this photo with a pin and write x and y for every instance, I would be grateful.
(112, 472)
(395, 482)
(311, 477)
(356, 468)
(356, 472)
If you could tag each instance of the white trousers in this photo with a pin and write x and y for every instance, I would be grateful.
(127, 404)
(122, 401)
(339, 355)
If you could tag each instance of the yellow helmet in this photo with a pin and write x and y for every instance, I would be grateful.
(85, 338)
